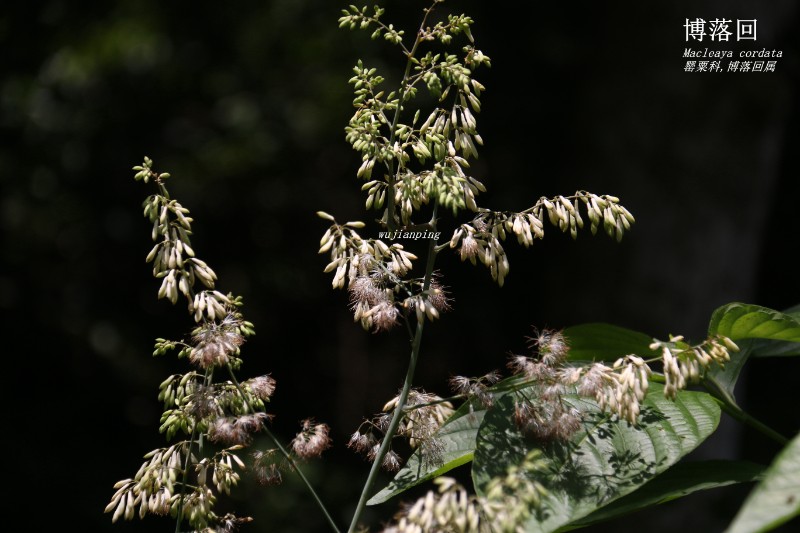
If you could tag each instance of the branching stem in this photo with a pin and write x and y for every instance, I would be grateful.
(401, 402)
(286, 455)
(401, 95)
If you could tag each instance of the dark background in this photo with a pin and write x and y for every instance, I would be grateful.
(245, 105)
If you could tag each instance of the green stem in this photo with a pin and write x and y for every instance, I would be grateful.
(736, 412)
(179, 518)
(401, 401)
(286, 455)
(390, 206)
(728, 404)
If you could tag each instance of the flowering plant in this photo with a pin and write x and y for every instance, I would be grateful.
(591, 414)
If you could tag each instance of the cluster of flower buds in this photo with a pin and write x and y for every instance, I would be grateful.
(619, 389)
(511, 499)
(428, 303)
(223, 474)
(198, 507)
(481, 238)
(450, 509)
(374, 273)
(173, 257)
(372, 304)
(685, 364)
(312, 440)
(476, 389)
(352, 256)
(214, 343)
(424, 414)
(448, 136)
(153, 487)
(540, 409)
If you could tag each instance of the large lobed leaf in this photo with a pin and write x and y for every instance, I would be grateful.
(601, 463)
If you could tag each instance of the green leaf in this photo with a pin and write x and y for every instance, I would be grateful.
(457, 436)
(604, 461)
(680, 480)
(770, 348)
(746, 321)
(606, 342)
(722, 381)
(777, 498)
(753, 328)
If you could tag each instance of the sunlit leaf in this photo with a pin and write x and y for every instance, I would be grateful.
(753, 328)
(604, 461)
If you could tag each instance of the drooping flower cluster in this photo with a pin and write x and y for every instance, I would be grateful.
(423, 415)
(153, 489)
(215, 342)
(312, 440)
(476, 389)
(619, 389)
(511, 499)
(217, 418)
(481, 237)
(375, 272)
(684, 364)
(540, 408)
(450, 509)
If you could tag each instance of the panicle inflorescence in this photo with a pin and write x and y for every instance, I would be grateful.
(481, 238)
(312, 440)
(477, 389)
(215, 342)
(621, 388)
(450, 508)
(684, 364)
(423, 415)
(219, 418)
(541, 409)
(417, 160)
(268, 466)
(375, 272)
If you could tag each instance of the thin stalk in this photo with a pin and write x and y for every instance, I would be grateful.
(736, 412)
(390, 206)
(286, 455)
(179, 518)
(401, 402)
